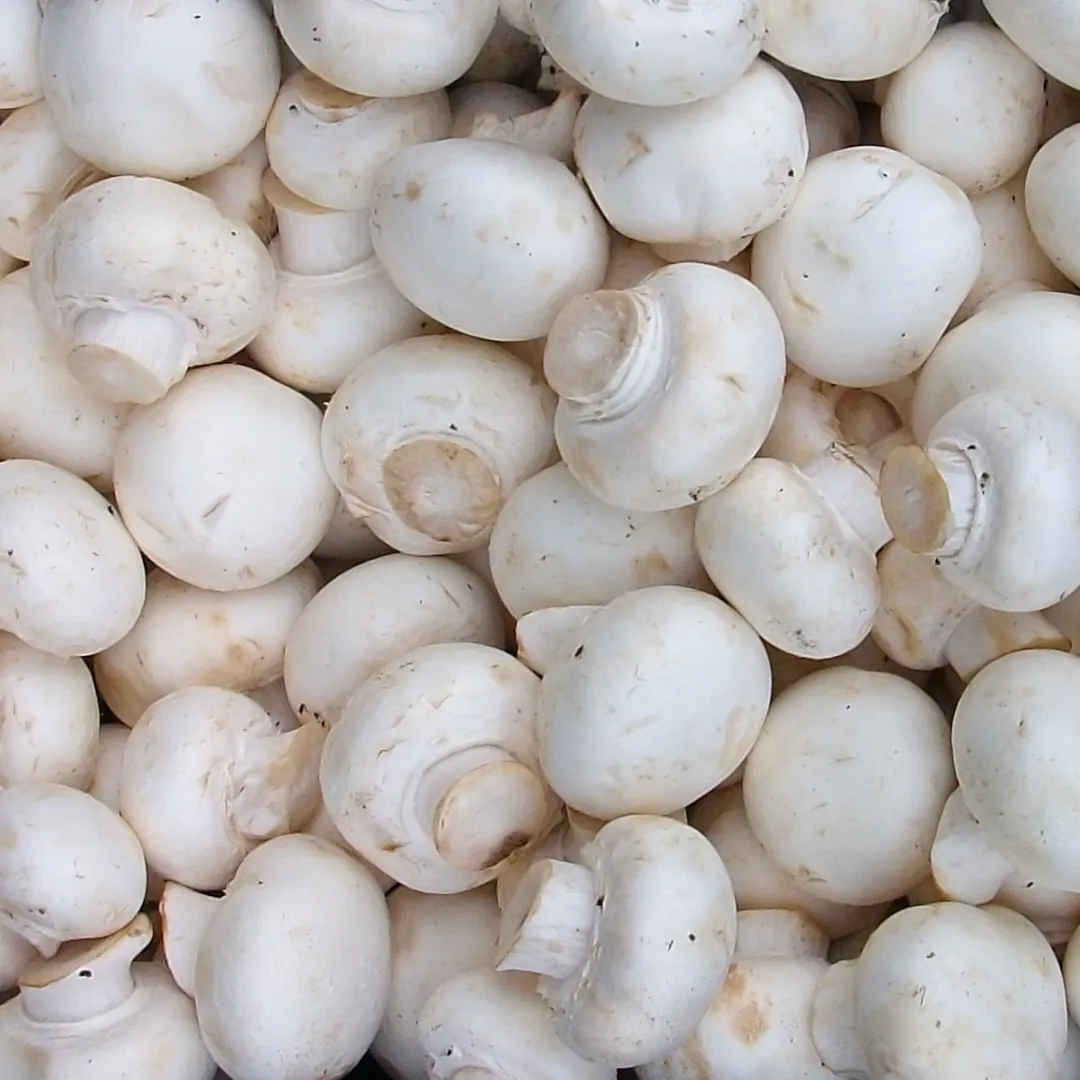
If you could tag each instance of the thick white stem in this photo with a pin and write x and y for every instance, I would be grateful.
(984, 636)
(966, 868)
(848, 478)
(777, 932)
(833, 1025)
(185, 915)
(543, 634)
(321, 242)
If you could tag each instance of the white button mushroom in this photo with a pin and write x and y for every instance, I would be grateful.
(335, 305)
(633, 945)
(431, 435)
(172, 92)
(326, 144)
(846, 783)
(945, 990)
(867, 226)
(970, 106)
(299, 918)
(386, 49)
(650, 54)
(236, 187)
(967, 498)
(712, 173)
(555, 544)
(793, 550)
(374, 613)
(71, 578)
(432, 938)
(221, 482)
(666, 389)
(654, 701)
(20, 75)
(193, 637)
(144, 279)
(49, 717)
(37, 172)
(485, 236)
(207, 775)
(69, 867)
(848, 39)
(45, 412)
(1048, 33)
(431, 771)
(479, 1025)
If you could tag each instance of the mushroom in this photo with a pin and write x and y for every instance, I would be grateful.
(371, 615)
(1049, 35)
(1050, 202)
(480, 1024)
(432, 939)
(654, 701)
(71, 578)
(335, 305)
(70, 868)
(543, 634)
(431, 771)
(187, 636)
(970, 106)
(846, 39)
(793, 550)
(386, 50)
(326, 144)
(49, 717)
(429, 436)
(666, 389)
(45, 412)
(236, 187)
(650, 55)
(845, 785)
(91, 1012)
(632, 944)
(143, 279)
(868, 225)
(299, 915)
(758, 1025)
(20, 75)
(207, 776)
(173, 95)
(485, 236)
(966, 497)
(555, 544)
(37, 172)
(221, 482)
(711, 173)
(945, 990)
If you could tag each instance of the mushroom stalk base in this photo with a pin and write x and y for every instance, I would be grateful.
(547, 926)
(833, 1025)
(314, 242)
(849, 481)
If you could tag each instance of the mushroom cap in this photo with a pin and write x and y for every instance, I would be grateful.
(20, 74)
(657, 698)
(1048, 33)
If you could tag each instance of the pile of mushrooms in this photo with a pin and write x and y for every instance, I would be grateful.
(540, 540)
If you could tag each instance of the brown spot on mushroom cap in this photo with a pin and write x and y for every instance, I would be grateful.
(746, 1018)
(413, 191)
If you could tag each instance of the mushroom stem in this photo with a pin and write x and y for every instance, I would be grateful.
(84, 979)
(607, 350)
(833, 1024)
(131, 355)
(849, 480)
(474, 1073)
(547, 925)
(929, 498)
(45, 943)
(984, 635)
(965, 866)
(779, 932)
(483, 806)
(185, 915)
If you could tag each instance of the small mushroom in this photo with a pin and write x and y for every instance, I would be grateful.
(172, 95)
(49, 717)
(836, 744)
(335, 305)
(386, 50)
(71, 578)
(429, 436)
(431, 771)
(207, 776)
(70, 868)
(656, 700)
(374, 613)
(20, 74)
(485, 236)
(632, 945)
(90, 1011)
(187, 636)
(868, 225)
(667, 389)
(326, 144)
(432, 939)
(221, 482)
(236, 187)
(143, 279)
(710, 173)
